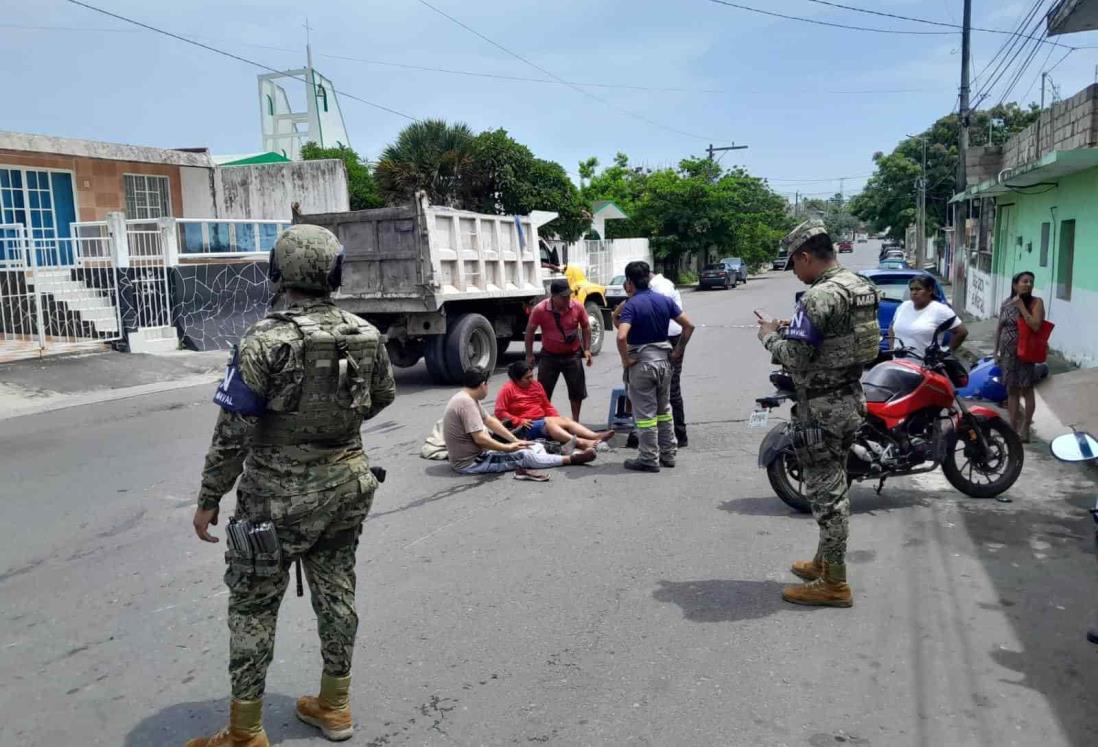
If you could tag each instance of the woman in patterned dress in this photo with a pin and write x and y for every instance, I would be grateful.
(1018, 377)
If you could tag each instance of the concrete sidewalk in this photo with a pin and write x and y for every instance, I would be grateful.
(40, 385)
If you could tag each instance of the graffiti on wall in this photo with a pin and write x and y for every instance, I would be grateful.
(978, 293)
(213, 305)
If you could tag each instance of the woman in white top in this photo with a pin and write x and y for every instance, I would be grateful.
(916, 320)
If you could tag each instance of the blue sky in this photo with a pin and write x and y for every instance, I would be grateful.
(777, 81)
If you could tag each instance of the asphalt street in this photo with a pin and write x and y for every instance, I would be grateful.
(603, 607)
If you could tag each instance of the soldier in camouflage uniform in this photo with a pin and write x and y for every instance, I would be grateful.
(293, 401)
(833, 334)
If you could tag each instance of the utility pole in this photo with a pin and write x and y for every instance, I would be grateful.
(796, 204)
(711, 150)
(966, 52)
(920, 240)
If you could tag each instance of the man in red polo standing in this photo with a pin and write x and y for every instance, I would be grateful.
(565, 343)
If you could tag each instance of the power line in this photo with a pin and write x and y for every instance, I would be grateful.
(928, 21)
(623, 86)
(557, 78)
(808, 181)
(234, 56)
(828, 23)
(20, 27)
(1004, 67)
(1004, 50)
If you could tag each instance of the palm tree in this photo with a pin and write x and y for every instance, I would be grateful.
(430, 155)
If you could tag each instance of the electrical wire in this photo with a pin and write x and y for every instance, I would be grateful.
(1005, 65)
(234, 56)
(559, 79)
(1021, 71)
(928, 21)
(1002, 55)
(829, 23)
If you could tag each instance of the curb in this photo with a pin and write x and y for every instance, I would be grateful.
(108, 395)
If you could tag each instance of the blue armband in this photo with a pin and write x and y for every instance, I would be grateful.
(234, 395)
(802, 329)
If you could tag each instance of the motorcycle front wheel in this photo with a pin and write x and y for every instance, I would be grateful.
(985, 473)
(787, 481)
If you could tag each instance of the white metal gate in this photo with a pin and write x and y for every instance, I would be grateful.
(55, 293)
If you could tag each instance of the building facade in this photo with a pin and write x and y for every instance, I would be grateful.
(1039, 214)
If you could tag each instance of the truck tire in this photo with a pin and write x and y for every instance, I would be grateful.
(434, 354)
(404, 353)
(471, 342)
(598, 329)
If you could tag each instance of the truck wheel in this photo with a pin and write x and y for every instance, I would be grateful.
(470, 343)
(594, 316)
(435, 356)
(404, 353)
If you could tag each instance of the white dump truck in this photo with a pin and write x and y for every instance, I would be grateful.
(450, 286)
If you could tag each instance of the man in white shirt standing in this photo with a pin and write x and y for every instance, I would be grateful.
(665, 287)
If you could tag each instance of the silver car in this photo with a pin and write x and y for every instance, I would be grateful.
(737, 265)
(615, 291)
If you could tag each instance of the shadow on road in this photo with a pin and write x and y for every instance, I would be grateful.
(719, 600)
(178, 723)
(1044, 572)
(862, 501)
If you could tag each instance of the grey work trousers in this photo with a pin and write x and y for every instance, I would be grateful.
(648, 385)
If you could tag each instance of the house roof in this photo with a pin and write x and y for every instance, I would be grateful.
(250, 159)
(1070, 16)
(1051, 167)
(607, 210)
(32, 143)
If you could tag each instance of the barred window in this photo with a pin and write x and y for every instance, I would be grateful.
(147, 197)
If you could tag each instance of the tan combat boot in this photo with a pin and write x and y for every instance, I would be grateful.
(809, 570)
(245, 728)
(331, 710)
(829, 590)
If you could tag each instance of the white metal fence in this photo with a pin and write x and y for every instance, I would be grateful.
(148, 276)
(55, 292)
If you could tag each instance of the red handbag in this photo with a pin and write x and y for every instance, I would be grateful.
(1033, 346)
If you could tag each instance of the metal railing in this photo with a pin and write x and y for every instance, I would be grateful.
(150, 304)
(56, 291)
(227, 238)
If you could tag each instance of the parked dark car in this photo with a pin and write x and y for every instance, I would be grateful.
(892, 286)
(717, 276)
(738, 266)
(780, 261)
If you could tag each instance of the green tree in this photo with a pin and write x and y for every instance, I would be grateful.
(695, 210)
(432, 156)
(361, 188)
(888, 200)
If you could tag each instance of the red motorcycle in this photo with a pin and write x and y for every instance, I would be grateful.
(915, 423)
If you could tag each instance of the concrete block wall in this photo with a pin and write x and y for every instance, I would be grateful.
(983, 162)
(1066, 125)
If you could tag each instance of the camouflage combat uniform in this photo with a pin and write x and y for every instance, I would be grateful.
(833, 333)
(320, 372)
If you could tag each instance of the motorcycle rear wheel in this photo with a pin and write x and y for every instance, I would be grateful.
(986, 476)
(785, 478)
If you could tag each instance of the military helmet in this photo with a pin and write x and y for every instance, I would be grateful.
(308, 258)
(797, 238)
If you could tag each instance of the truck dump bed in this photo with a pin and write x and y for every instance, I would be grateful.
(417, 257)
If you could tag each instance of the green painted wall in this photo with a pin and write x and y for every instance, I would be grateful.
(1020, 217)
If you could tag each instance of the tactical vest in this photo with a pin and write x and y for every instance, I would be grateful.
(330, 393)
(859, 344)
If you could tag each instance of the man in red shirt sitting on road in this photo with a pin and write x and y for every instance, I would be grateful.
(563, 323)
(523, 402)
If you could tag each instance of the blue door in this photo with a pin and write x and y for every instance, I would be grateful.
(43, 203)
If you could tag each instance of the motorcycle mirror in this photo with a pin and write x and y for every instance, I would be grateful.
(1075, 447)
